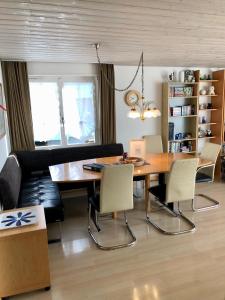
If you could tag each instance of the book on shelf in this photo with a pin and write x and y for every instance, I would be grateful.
(176, 111)
(185, 110)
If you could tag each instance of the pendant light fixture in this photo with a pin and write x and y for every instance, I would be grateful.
(142, 108)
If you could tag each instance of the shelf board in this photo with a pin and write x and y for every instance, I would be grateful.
(210, 80)
(189, 152)
(208, 95)
(184, 97)
(206, 137)
(189, 116)
(208, 109)
(200, 124)
(182, 140)
(181, 82)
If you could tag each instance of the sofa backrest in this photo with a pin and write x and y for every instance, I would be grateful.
(10, 181)
(63, 155)
(39, 160)
(32, 161)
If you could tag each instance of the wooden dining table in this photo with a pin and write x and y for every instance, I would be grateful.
(154, 164)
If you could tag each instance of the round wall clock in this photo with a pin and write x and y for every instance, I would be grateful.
(132, 97)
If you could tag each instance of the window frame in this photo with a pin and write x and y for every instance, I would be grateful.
(71, 78)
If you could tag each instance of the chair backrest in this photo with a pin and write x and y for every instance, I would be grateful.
(116, 190)
(153, 144)
(210, 152)
(181, 180)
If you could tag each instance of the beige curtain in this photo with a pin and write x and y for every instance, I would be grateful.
(107, 105)
(16, 87)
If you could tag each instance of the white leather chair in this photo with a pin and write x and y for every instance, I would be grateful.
(116, 194)
(206, 174)
(180, 186)
(153, 143)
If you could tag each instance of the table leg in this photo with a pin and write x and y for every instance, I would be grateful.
(114, 215)
(147, 186)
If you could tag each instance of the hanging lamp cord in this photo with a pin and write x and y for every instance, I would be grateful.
(132, 81)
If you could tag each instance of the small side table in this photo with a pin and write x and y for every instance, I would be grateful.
(24, 257)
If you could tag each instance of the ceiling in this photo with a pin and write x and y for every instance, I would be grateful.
(171, 33)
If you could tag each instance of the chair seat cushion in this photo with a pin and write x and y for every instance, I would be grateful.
(138, 178)
(41, 190)
(201, 177)
(159, 191)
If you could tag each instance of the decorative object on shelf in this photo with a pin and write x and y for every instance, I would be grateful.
(178, 136)
(143, 108)
(205, 77)
(17, 219)
(189, 76)
(211, 90)
(203, 120)
(181, 76)
(202, 106)
(188, 91)
(172, 76)
(203, 92)
(209, 105)
(178, 92)
(182, 136)
(187, 135)
(208, 132)
(201, 133)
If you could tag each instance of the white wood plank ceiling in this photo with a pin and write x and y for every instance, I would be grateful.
(171, 33)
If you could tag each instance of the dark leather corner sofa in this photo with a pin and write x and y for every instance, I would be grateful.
(25, 179)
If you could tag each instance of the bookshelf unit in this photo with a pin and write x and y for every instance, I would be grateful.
(183, 123)
(207, 114)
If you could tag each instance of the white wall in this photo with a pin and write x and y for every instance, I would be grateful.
(127, 129)
(3, 141)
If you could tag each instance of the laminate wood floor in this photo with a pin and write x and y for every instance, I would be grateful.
(185, 267)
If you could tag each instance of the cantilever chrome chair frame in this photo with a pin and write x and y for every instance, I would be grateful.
(215, 203)
(178, 214)
(177, 188)
(112, 199)
(102, 247)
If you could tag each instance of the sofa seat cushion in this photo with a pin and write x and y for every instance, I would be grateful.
(38, 190)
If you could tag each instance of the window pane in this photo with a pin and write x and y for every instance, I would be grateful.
(79, 112)
(45, 113)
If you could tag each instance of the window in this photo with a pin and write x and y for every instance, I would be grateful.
(63, 111)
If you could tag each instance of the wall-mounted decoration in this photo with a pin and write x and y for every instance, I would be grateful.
(2, 110)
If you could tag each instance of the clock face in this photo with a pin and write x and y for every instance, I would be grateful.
(132, 97)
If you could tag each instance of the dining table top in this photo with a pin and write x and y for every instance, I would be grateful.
(154, 163)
